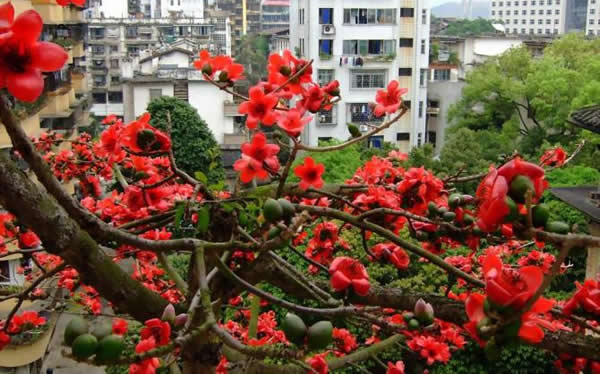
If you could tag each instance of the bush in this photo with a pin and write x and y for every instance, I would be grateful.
(339, 166)
(194, 145)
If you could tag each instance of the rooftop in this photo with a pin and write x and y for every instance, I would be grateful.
(587, 118)
(580, 198)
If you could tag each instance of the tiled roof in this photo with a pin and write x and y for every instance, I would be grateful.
(587, 118)
(580, 199)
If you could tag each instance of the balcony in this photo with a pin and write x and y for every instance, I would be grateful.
(78, 50)
(231, 109)
(31, 126)
(50, 12)
(59, 103)
(234, 139)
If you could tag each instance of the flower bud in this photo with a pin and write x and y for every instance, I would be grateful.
(223, 76)
(169, 314)
(207, 69)
(181, 319)
(285, 70)
(424, 311)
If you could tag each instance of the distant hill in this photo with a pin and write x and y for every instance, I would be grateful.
(455, 9)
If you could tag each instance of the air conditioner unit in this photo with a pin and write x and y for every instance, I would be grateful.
(364, 128)
(328, 30)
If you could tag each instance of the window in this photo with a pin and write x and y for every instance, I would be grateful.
(114, 48)
(325, 48)
(301, 16)
(421, 109)
(423, 77)
(115, 79)
(97, 50)
(406, 42)
(99, 97)
(419, 139)
(327, 117)
(441, 75)
(362, 112)
(424, 17)
(99, 80)
(325, 76)
(372, 47)
(403, 136)
(326, 16)
(301, 44)
(155, 93)
(115, 97)
(407, 12)
(423, 46)
(404, 72)
(364, 16)
(114, 64)
(432, 137)
(376, 141)
(368, 79)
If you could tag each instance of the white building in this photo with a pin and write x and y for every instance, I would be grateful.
(185, 8)
(145, 8)
(364, 45)
(593, 18)
(541, 17)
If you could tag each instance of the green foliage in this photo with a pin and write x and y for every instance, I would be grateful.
(181, 263)
(339, 165)
(466, 27)
(131, 338)
(520, 359)
(524, 102)
(253, 52)
(194, 145)
(573, 176)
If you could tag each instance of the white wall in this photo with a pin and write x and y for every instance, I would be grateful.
(190, 8)
(182, 60)
(208, 100)
(112, 9)
(102, 110)
(141, 95)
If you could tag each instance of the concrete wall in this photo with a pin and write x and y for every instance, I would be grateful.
(446, 93)
(139, 95)
(208, 100)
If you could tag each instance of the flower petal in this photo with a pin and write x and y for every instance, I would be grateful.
(48, 56)
(27, 86)
(28, 26)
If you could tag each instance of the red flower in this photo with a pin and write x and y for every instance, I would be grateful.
(430, 349)
(25, 321)
(346, 272)
(140, 137)
(79, 3)
(24, 58)
(554, 157)
(506, 286)
(159, 330)
(400, 156)
(4, 340)
(346, 342)
(260, 108)
(587, 297)
(388, 101)
(282, 67)
(312, 99)
(392, 253)
(110, 119)
(119, 326)
(149, 365)
(397, 368)
(254, 156)
(292, 122)
(418, 188)
(204, 63)
(29, 239)
(310, 173)
(318, 363)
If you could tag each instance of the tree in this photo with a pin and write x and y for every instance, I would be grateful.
(252, 52)
(194, 146)
(466, 27)
(330, 256)
(533, 96)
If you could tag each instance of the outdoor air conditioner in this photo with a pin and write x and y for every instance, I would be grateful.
(364, 128)
(328, 30)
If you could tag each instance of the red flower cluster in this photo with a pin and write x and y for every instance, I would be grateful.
(346, 272)
(537, 258)
(555, 157)
(390, 100)
(430, 349)
(140, 137)
(229, 71)
(119, 326)
(23, 57)
(260, 108)
(79, 3)
(493, 191)
(25, 321)
(346, 342)
(149, 365)
(322, 245)
(392, 253)
(318, 363)
(587, 297)
(418, 188)
(157, 329)
(397, 368)
(256, 156)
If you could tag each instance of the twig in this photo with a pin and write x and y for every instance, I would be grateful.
(179, 282)
(308, 259)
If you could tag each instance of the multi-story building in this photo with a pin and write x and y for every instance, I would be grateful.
(274, 14)
(114, 41)
(244, 15)
(541, 17)
(146, 9)
(364, 45)
(592, 25)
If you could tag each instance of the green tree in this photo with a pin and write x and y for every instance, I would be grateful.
(466, 27)
(253, 52)
(194, 146)
(528, 100)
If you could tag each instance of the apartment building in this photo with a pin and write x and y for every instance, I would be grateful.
(146, 8)
(274, 14)
(244, 14)
(364, 45)
(115, 41)
(592, 25)
(541, 17)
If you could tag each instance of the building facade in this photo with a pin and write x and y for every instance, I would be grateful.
(244, 15)
(274, 14)
(146, 9)
(118, 42)
(593, 18)
(541, 17)
(364, 45)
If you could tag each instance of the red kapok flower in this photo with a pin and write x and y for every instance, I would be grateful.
(312, 99)
(292, 121)
(23, 57)
(346, 272)
(492, 193)
(506, 286)
(79, 3)
(260, 108)
(388, 101)
(397, 368)
(392, 253)
(346, 342)
(430, 349)
(149, 365)
(29, 239)
(554, 157)
(255, 156)
(4, 339)
(140, 137)
(159, 330)
(587, 297)
(318, 363)
(310, 174)
(119, 326)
